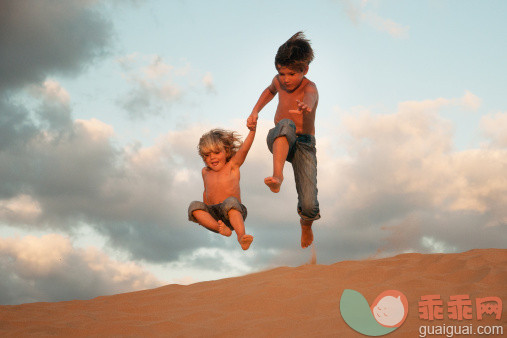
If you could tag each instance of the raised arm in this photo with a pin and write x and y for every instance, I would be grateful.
(240, 156)
(266, 96)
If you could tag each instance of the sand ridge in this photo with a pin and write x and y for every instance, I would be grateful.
(285, 301)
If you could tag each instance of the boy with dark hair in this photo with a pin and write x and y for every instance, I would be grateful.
(293, 137)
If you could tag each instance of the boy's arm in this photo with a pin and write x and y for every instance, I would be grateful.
(311, 95)
(266, 96)
(240, 156)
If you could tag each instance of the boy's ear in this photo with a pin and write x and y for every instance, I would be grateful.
(305, 70)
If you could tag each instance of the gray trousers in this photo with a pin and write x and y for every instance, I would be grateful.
(303, 157)
(220, 212)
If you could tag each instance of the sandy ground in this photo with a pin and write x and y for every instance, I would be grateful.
(283, 302)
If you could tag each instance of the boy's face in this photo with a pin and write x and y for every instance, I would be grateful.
(290, 78)
(216, 160)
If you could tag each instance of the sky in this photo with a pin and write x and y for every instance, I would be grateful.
(102, 104)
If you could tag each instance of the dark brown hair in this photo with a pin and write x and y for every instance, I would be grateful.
(296, 53)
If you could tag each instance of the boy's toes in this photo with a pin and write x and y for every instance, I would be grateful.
(224, 229)
(245, 241)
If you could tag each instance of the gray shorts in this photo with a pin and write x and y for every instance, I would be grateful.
(303, 157)
(220, 212)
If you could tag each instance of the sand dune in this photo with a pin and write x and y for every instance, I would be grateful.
(301, 301)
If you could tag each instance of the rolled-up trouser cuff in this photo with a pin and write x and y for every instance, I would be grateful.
(287, 128)
(219, 212)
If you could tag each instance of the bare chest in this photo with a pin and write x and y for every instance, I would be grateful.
(288, 101)
(220, 185)
(219, 178)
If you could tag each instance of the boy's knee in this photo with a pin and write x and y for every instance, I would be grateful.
(192, 208)
(232, 203)
(196, 212)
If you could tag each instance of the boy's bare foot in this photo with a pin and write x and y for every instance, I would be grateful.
(306, 235)
(245, 241)
(273, 183)
(224, 229)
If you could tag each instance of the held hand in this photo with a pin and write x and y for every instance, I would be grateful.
(251, 123)
(251, 126)
(253, 118)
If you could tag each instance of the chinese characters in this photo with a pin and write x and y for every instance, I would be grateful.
(459, 307)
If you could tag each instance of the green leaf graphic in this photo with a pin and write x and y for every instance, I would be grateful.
(357, 314)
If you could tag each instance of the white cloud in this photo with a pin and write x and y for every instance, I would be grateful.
(480, 181)
(358, 13)
(157, 68)
(495, 127)
(385, 25)
(49, 268)
(52, 90)
(54, 105)
(412, 151)
(222, 260)
(436, 246)
(207, 80)
(95, 129)
(155, 84)
(34, 257)
(471, 101)
(20, 209)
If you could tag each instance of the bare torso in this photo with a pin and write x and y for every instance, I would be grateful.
(218, 185)
(287, 101)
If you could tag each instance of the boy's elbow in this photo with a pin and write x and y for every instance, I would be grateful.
(270, 91)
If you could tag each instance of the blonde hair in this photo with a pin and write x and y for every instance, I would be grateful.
(219, 139)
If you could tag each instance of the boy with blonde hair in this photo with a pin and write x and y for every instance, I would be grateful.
(293, 137)
(221, 210)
